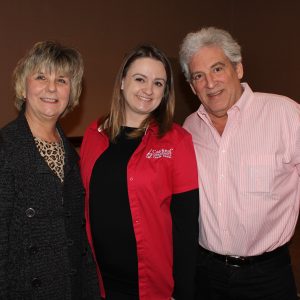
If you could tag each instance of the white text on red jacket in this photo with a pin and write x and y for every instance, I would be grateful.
(167, 153)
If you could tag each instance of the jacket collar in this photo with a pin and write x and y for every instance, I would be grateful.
(24, 141)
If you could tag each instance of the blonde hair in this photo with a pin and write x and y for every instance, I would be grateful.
(51, 56)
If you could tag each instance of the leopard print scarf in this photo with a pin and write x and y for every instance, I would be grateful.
(54, 155)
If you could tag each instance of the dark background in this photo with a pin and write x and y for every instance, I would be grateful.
(103, 31)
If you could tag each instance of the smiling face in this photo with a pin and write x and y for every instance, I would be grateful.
(47, 95)
(215, 81)
(143, 89)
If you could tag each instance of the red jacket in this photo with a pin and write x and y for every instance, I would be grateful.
(159, 168)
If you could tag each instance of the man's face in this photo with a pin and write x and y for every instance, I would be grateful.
(215, 80)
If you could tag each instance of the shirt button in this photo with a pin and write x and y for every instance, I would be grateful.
(30, 212)
(68, 214)
(72, 272)
(36, 282)
(33, 249)
(70, 243)
(131, 178)
(137, 221)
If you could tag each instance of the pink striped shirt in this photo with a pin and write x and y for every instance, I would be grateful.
(248, 177)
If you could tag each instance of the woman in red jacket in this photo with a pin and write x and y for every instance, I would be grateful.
(139, 171)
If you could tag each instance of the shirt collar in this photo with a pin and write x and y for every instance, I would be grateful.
(152, 127)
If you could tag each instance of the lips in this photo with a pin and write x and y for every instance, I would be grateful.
(215, 93)
(144, 98)
(49, 100)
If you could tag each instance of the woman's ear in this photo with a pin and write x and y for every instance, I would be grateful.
(24, 94)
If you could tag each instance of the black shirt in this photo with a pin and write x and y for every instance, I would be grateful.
(111, 222)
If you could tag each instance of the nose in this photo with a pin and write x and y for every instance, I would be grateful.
(51, 86)
(210, 81)
(148, 88)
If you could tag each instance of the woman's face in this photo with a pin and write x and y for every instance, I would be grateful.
(143, 89)
(47, 95)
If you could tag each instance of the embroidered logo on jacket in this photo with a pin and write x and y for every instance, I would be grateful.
(167, 153)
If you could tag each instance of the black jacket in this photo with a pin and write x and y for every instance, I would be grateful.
(44, 252)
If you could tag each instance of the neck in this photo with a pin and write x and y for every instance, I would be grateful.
(45, 131)
(219, 123)
(133, 123)
(133, 119)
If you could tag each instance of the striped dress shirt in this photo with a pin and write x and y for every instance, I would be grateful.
(248, 177)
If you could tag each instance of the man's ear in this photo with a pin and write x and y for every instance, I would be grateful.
(239, 70)
(191, 85)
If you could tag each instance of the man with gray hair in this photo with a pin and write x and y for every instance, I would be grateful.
(248, 155)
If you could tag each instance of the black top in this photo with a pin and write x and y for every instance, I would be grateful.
(110, 216)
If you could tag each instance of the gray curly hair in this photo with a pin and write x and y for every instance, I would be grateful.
(208, 36)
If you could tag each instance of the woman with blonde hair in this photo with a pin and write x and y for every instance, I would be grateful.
(44, 252)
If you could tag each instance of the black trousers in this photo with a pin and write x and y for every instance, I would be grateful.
(271, 279)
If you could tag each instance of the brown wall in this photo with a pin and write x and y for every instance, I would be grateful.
(103, 31)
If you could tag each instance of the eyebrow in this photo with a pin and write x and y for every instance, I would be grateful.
(144, 76)
(211, 67)
(218, 63)
(43, 73)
